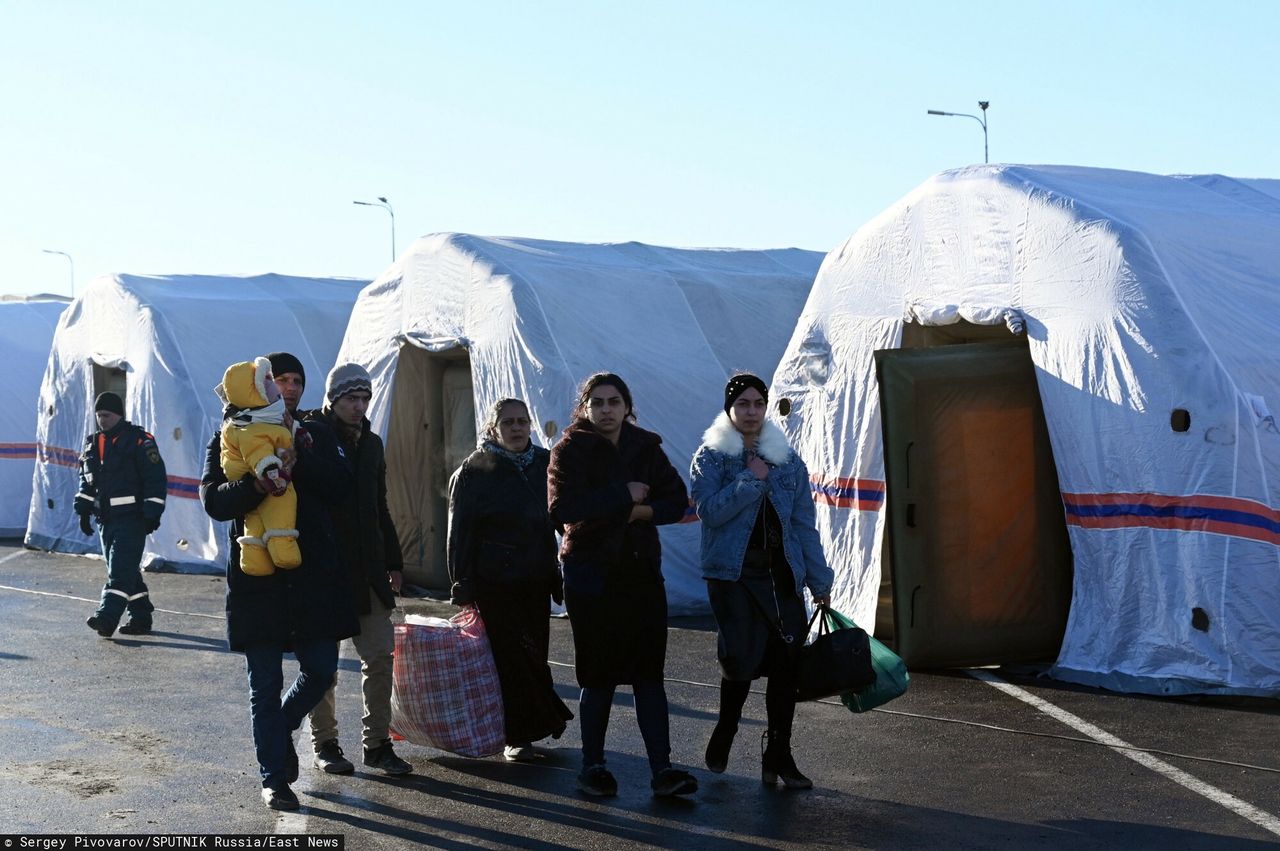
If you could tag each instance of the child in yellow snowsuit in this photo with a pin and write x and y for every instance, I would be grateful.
(251, 441)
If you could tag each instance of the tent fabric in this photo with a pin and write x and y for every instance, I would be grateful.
(27, 324)
(536, 317)
(1141, 295)
(173, 337)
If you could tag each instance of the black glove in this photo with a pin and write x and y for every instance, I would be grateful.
(153, 524)
(84, 524)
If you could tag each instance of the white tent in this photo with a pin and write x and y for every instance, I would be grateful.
(163, 343)
(460, 321)
(26, 332)
(1151, 310)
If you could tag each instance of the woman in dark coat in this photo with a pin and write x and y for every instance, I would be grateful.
(502, 559)
(305, 610)
(610, 485)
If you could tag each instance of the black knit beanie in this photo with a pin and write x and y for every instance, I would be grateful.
(282, 362)
(739, 384)
(109, 402)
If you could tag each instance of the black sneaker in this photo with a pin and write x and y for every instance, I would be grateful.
(279, 797)
(136, 627)
(385, 760)
(670, 782)
(330, 760)
(100, 625)
(597, 782)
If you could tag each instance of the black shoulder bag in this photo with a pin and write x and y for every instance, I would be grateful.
(837, 661)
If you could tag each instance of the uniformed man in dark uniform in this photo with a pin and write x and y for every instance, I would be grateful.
(123, 485)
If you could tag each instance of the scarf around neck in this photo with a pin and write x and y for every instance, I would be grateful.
(520, 459)
(273, 414)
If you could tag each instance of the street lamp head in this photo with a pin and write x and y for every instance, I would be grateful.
(937, 112)
(983, 104)
(383, 199)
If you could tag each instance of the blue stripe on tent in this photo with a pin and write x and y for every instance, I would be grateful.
(1220, 515)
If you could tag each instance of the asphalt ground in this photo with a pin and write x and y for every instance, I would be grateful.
(150, 735)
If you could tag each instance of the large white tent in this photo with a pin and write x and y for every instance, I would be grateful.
(1150, 307)
(163, 343)
(26, 332)
(460, 321)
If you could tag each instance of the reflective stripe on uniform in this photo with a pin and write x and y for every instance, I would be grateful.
(86, 497)
(123, 500)
(114, 591)
(137, 596)
(158, 499)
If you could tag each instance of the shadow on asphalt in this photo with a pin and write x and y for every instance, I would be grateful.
(725, 814)
(555, 819)
(183, 641)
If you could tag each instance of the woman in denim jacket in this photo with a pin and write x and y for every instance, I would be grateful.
(758, 556)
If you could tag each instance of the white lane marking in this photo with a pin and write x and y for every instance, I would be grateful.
(12, 556)
(1241, 808)
(95, 600)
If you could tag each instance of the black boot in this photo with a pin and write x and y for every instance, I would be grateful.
(717, 756)
(776, 761)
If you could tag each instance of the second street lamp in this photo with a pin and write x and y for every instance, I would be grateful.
(73, 267)
(386, 205)
(982, 104)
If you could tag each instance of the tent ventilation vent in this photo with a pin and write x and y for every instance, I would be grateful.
(1180, 419)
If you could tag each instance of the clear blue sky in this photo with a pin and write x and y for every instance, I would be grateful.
(232, 137)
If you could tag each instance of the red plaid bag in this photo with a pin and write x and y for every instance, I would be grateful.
(446, 691)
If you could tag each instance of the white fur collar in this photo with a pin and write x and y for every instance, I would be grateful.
(772, 446)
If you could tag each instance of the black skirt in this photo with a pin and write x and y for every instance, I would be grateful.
(620, 636)
(753, 614)
(517, 620)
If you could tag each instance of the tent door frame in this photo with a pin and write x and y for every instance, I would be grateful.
(897, 610)
(419, 462)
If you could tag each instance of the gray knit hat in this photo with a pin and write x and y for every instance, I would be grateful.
(344, 378)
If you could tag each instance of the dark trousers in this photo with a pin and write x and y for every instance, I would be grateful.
(779, 702)
(651, 715)
(122, 542)
(275, 720)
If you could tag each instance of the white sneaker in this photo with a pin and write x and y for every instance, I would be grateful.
(521, 752)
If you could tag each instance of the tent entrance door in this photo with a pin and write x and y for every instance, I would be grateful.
(976, 546)
(109, 379)
(431, 430)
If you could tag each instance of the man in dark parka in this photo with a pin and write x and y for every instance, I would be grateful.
(369, 550)
(304, 610)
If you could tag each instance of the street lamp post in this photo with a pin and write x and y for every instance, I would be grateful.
(73, 267)
(386, 205)
(982, 104)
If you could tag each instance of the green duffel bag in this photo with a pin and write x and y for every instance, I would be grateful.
(892, 678)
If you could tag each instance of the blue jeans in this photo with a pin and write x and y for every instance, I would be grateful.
(274, 720)
(651, 716)
(122, 541)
